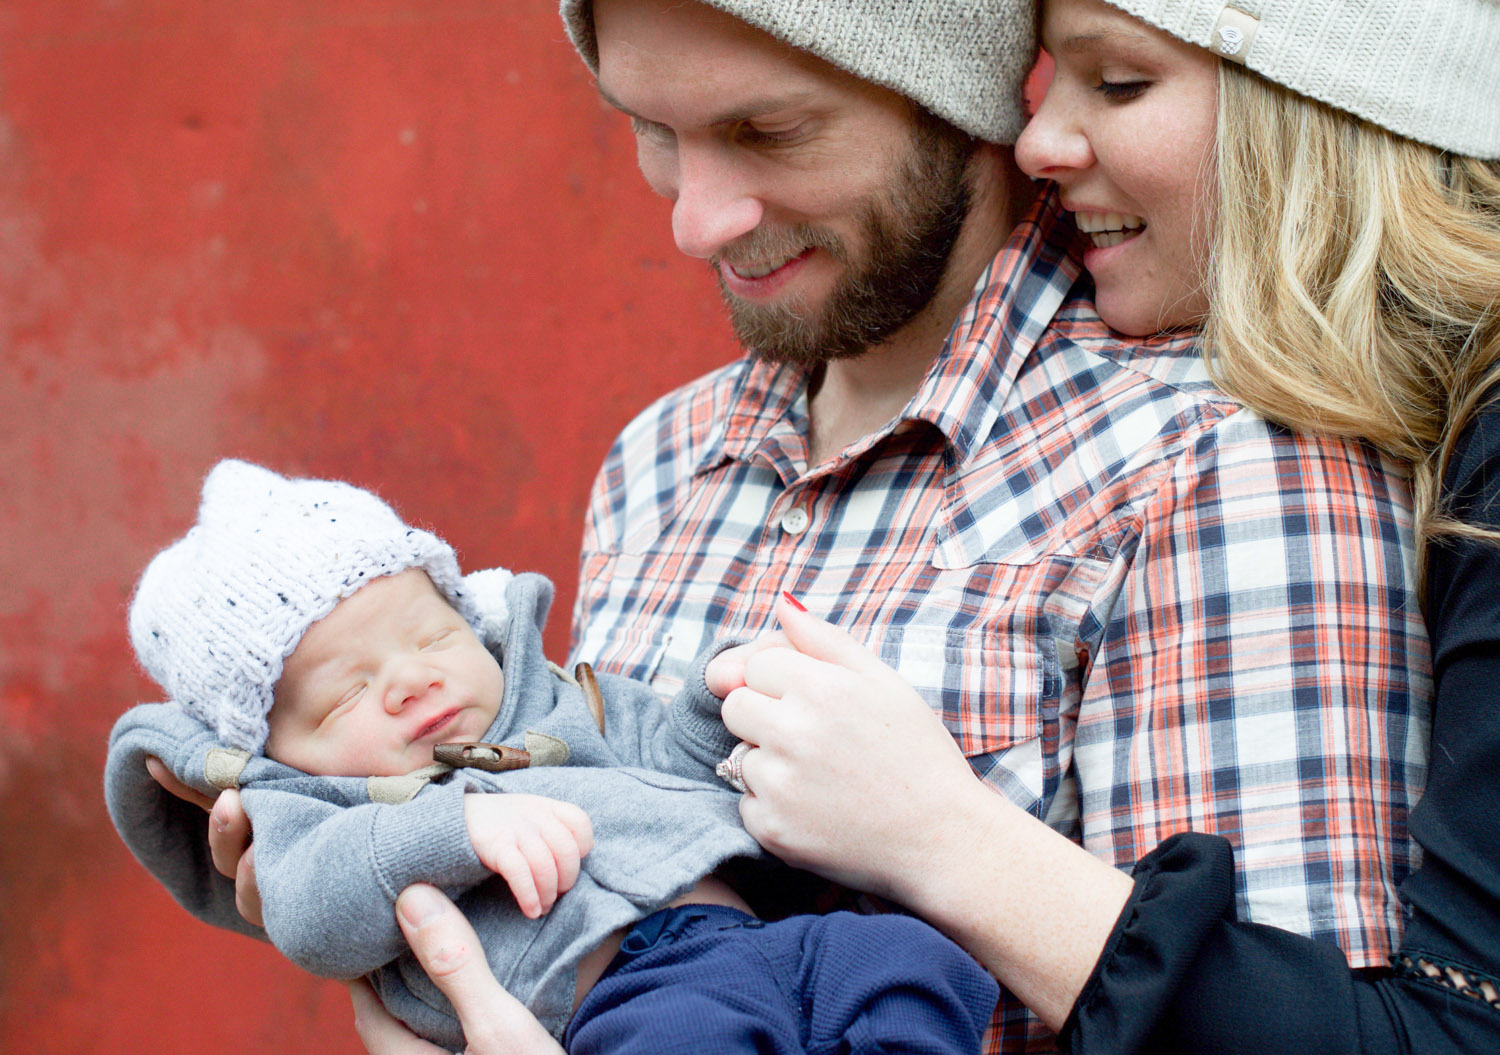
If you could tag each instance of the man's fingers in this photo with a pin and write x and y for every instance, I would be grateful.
(379, 1031)
(494, 1022)
(246, 893)
(228, 833)
(168, 780)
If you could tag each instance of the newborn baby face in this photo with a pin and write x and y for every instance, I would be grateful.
(392, 671)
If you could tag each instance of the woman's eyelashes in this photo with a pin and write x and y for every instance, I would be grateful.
(1121, 91)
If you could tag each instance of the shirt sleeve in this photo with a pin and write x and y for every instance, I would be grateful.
(1181, 972)
(1259, 670)
(329, 874)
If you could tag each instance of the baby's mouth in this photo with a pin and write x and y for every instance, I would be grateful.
(439, 723)
(1106, 229)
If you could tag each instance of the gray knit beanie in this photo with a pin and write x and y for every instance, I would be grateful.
(1428, 70)
(965, 60)
(217, 612)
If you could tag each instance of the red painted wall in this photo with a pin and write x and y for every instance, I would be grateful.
(396, 242)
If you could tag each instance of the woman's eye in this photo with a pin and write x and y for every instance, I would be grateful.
(1121, 91)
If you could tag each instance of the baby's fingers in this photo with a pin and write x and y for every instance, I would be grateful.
(508, 860)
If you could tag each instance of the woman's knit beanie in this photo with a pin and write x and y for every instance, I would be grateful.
(218, 611)
(1428, 70)
(964, 60)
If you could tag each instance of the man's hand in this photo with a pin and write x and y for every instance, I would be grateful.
(494, 1022)
(228, 837)
(534, 843)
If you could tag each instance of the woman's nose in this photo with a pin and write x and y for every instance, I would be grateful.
(1054, 144)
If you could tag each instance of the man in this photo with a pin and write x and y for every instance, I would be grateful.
(1136, 607)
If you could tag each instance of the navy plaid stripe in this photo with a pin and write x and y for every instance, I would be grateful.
(1138, 607)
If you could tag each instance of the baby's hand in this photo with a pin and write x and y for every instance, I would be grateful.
(535, 843)
(726, 671)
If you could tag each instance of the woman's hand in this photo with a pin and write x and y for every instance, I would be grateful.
(853, 776)
(228, 837)
(494, 1022)
(856, 779)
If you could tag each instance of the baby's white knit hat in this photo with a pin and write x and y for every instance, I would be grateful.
(1428, 70)
(218, 611)
(965, 60)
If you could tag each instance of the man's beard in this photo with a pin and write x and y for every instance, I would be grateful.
(908, 235)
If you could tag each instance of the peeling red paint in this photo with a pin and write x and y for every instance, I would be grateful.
(393, 242)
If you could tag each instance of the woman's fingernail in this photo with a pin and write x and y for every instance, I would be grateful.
(793, 601)
(418, 904)
(221, 822)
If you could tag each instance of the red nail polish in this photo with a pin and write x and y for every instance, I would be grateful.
(793, 601)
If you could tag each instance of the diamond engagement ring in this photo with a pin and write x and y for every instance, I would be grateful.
(732, 769)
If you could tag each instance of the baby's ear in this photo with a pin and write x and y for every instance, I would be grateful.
(487, 590)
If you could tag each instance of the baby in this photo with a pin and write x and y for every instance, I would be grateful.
(332, 663)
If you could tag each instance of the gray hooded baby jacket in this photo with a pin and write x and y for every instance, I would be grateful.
(332, 853)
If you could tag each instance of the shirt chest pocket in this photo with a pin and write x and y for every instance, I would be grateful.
(988, 686)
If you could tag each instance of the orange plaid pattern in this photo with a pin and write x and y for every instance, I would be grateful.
(1139, 607)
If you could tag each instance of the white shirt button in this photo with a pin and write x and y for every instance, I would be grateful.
(796, 520)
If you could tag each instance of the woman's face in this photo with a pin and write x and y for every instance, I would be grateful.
(1127, 131)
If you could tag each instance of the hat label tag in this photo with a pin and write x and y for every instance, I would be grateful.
(1234, 34)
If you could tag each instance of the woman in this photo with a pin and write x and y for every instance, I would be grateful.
(1346, 278)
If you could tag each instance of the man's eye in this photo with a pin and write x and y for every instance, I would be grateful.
(1121, 91)
(650, 130)
(758, 136)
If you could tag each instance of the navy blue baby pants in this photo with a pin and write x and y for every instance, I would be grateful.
(707, 979)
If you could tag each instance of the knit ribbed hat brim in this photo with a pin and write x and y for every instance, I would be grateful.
(1428, 70)
(217, 613)
(964, 60)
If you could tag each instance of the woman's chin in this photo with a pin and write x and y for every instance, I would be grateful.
(1134, 318)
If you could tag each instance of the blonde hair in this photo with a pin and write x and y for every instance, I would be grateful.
(1355, 284)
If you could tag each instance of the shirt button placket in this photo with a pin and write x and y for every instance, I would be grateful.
(795, 520)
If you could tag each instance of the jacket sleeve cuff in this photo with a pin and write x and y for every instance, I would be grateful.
(1183, 890)
(426, 840)
(696, 712)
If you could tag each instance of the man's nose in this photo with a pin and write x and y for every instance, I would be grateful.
(714, 203)
(1053, 145)
(406, 681)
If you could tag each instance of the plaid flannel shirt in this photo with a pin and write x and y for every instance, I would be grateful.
(1138, 606)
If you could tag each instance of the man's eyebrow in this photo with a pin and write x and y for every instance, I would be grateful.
(743, 112)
